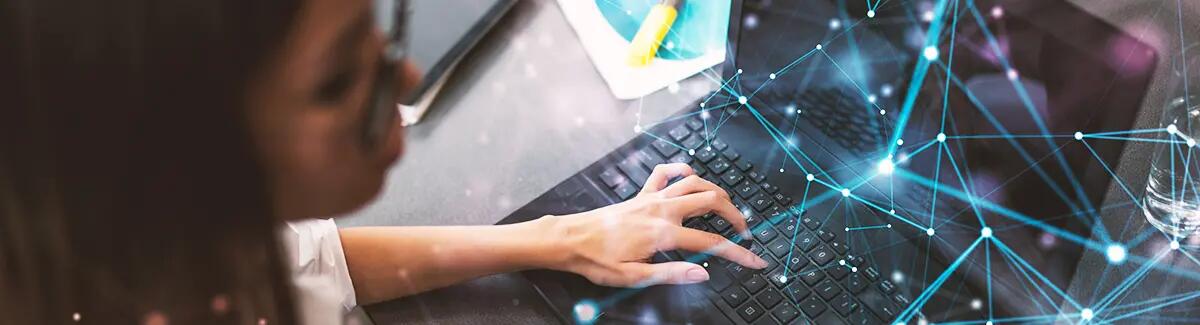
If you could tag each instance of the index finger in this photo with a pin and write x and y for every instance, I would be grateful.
(663, 173)
(693, 240)
(717, 201)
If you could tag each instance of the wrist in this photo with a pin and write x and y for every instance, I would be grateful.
(551, 247)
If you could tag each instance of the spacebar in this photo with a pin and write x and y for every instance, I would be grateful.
(632, 168)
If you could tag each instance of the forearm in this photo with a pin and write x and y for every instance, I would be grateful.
(390, 262)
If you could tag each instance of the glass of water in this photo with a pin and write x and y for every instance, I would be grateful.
(1172, 202)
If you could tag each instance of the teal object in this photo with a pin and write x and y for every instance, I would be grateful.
(700, 25)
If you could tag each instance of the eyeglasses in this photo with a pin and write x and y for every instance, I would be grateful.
(382, 107)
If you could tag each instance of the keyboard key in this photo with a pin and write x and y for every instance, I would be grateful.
(826, 235)
(785, 312)
(719, 145)
(769, 297)
(838, 271)
(718, 279)
(855, 283)
(857, 261)
(750, 311)
(760, 202)
(612, 177)
(634, 170)
(756, 176)
(625, 191)
(812, 275)
(871, 273)
(667, 149)
(649, 158)
(705, 155)
(887, 286)
(754, 283)
(828, 319)
(796, 261)
(692, 143)
(812, 306)
(695, 124)
(679, 133)
(731, 155)
(822, 255)
(827, 289)
(734, 296)
(806, 241)
(796, 292)
(744, 165)
(782, 199)
(765, 233)
(768, 187)
(719, 224)
(780, 247)
(844, 304)
(862, 317)
(697, 167)
(738, 271)
(771, 262)
(746, 190)
(840, 248)
(801, 321)
(879, 305)
(732, 178)
(765, 321)
(780, 279)
(718, 166)
(788, 226)
(901, 300)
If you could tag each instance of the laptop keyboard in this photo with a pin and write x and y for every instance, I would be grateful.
(811, 277)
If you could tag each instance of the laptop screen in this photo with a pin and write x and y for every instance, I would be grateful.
(991, 121)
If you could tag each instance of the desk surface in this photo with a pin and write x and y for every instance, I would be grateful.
(497, 138)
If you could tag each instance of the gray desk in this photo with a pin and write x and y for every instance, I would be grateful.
(527, 110)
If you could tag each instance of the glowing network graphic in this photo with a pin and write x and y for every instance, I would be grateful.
(1107, 304)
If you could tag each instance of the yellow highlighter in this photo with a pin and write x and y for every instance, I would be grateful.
(654, 28)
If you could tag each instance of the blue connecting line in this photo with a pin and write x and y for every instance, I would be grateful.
(920, 301)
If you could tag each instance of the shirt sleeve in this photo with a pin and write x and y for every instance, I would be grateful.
(314, 255)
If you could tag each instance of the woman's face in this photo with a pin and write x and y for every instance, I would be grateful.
(307, 109)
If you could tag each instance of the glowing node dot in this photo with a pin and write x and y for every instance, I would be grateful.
(701, 105)
(886, 166)
(585, 311)
(872, 98)
(931, 53)
(782, 279)
(818, 46)
(889, 226)
(772, 76)
(986, 232)
(893, 211)
(886, 90)
(637, 129)
(1012, 74)
(871, 13)
(899, 142)
(1191, 142)
(781, 170)
(997, 12)
(988, 323)
(742, 100)
(705, 264)
(76, 317)
(835, 23)
(739, 71)
(1087, 314)
(853, 269)
(1078, 135)
(883, 112)
(1174, 245)
(941, 137)
(976, 304)
(1172, 129)
(842, 262)
(1115, 253)
(810, 177)
(847, 228)
(845, 192)
(691, 152)
(929, 232)
(705, 115)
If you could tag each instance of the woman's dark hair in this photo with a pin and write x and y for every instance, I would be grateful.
(129, 184)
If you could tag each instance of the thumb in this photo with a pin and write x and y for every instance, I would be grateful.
(665, 273)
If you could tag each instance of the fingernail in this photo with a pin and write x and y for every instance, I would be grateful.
(759, 262)
(747, 235)
(696, 275)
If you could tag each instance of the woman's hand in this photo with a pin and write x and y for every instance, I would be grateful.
(612, 245)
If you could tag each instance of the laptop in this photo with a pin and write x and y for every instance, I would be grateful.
(890, 226)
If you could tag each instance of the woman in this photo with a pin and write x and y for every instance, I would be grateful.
(151, 149)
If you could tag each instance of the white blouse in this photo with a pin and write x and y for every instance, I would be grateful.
(323, 291)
